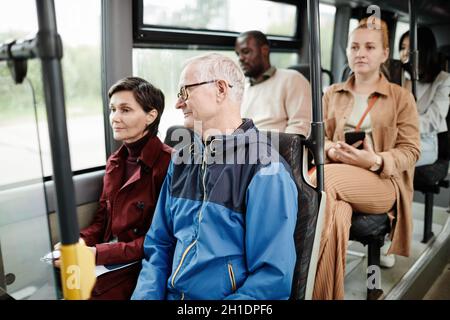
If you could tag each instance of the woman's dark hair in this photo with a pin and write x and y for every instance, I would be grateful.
(428, 62)
(148, 96)
(406, 34)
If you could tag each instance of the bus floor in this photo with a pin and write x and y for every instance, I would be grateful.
(355, 279)
(440, 290)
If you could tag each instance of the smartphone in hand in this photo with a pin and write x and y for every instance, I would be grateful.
(354, 136)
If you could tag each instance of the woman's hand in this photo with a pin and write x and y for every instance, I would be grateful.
(57, 246)
(331, 152)
(57, 262)
(349, 154)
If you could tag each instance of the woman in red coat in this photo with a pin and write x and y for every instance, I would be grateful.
(133, 179)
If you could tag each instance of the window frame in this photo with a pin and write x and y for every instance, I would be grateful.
(45, 177)
(162, 37)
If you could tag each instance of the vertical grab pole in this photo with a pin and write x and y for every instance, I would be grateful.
(316, 137)
(54, 98)
(315, 140)
(77, 263)
(413, 53)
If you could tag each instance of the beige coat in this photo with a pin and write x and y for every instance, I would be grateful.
(395, 133)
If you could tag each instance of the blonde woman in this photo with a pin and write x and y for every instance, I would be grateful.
(374, 175)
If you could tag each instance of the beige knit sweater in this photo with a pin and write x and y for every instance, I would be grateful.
(281, 103)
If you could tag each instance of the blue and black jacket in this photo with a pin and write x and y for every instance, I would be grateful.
(224, 223)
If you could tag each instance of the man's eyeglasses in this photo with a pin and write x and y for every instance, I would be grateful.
(184, 94)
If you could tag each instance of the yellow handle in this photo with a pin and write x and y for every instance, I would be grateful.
(77, 271)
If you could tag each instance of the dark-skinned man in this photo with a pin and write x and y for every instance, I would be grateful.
(275, 99)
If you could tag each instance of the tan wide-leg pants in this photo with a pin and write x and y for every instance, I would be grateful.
(348, 188)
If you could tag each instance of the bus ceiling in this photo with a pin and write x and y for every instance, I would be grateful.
(432, 12)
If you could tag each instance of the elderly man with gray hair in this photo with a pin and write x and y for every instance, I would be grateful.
(222, 229)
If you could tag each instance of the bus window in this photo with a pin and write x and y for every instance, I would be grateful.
(353, 23)
(24, 231)
(19, 147)
(17, 108)
(79, 27)
(327, 14)
(163, 68)
(200, 27)
(13, 28)
(401, 28)
(230, 15)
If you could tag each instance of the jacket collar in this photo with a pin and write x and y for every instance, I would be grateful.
(244, 136)
(381, 89)
(266, 75)
(246, 125)
(244, 129)
(149, 154)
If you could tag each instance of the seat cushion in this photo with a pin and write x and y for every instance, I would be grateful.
(430, 175)
(368, 227)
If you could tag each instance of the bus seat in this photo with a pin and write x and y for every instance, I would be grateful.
(370, 230)
(395, 69)
(430, 178)
(292, 149)
(178, 136)
(304, 70)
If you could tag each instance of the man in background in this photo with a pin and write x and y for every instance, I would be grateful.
(275, 99)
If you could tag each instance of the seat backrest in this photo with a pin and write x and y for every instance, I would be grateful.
(305, 68)
(178, 137)
(395, 71)
(291, 148)
(346, 73)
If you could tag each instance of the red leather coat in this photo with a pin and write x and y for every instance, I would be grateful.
(124, 216)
